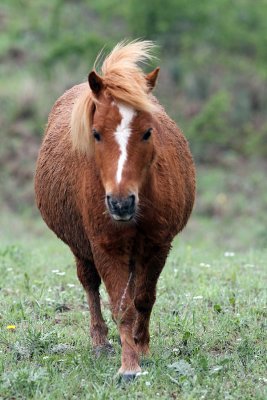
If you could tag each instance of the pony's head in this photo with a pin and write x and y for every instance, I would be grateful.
(114, 124)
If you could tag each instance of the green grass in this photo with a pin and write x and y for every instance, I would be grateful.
(208, 330)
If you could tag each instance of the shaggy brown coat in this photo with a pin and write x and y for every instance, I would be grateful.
(70, 194)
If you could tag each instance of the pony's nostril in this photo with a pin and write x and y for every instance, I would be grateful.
(113, 203)
(110, 202)
(132, 200)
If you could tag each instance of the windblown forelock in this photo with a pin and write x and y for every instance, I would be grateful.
(123, 78)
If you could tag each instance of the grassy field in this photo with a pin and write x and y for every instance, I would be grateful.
(209, 322)
(208, 326)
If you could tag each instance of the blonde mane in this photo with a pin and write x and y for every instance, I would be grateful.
(123, 79)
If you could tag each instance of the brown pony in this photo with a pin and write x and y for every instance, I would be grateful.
(115, 181)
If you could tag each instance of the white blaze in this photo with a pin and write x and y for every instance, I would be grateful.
(122, 135)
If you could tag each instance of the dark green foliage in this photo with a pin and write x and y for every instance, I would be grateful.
(213, 71)
(215, 52)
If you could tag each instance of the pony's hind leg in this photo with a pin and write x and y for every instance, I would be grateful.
(90, 280)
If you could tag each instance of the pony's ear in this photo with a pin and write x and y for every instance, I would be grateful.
(95, 82)
(152, 78)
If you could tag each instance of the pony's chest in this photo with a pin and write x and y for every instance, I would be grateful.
(116, 243)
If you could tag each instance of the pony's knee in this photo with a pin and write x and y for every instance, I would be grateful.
(88, 276)
(144, 302)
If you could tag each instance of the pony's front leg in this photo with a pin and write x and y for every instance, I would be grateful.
(144, 299)
(119, 283)
(144, 302)
(147, 275)
(129, 357)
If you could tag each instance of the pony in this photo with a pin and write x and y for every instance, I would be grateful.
(115, 181)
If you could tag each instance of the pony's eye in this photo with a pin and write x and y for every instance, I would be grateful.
(147, 134)
(96, 135)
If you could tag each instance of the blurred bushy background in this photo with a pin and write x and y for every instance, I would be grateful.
(213, 82)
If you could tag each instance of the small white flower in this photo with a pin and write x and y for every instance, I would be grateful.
(55, 271)
(197, 297)
(9, 269)
(49, 300)
(148, 383)
(249, 266)
(142, 373)
(70, 285)
(229, 254)
(60, 273)
(217, 368)
(204, 265)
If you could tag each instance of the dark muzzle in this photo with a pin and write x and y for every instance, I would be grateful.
(121, 208)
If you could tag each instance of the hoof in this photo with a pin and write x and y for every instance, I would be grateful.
(106, 348)
(129, 377)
